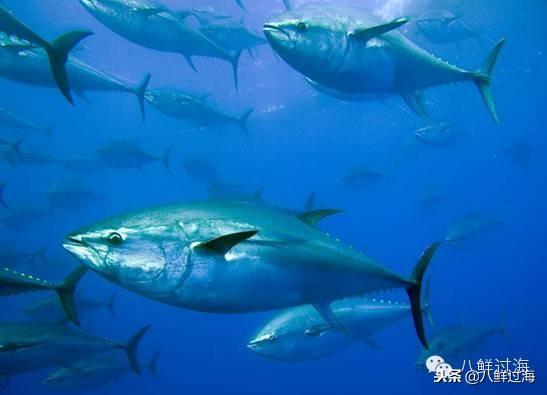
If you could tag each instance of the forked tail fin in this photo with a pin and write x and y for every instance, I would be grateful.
(111, 303)
(57, 52)
(483, 79)
(414, 291)
(66, 289)
(2, 200)
(140, 91)
(426, 307)
(234, 60)
(243, 121)
(153, 364)
(166, 160)
(241, 5)
(132, 346)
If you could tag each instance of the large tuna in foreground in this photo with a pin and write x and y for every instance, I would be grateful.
(347, 53)
(234, 257)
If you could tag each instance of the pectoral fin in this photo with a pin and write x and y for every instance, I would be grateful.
(367, 33)
(17, 346)
(314, 216)
(317, 330)
(415, 101)
(454, 18)
(221, 245)
(326, 313)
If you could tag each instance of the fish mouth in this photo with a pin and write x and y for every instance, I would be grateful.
(254, 345)
(270, 27)
(81, 250)
(74, 240)
(274, 33)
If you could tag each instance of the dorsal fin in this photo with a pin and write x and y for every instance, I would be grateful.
(221, 245)
(310, 203)
(314, 216)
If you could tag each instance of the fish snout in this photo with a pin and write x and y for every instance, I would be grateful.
(254, 345)
(77, 245)
(74, 238)
(274, 32)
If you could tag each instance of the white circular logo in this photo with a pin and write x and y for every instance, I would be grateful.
(432, 362)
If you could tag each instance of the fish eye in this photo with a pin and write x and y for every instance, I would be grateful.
(302, 26)
(272, 338)
(115, 238)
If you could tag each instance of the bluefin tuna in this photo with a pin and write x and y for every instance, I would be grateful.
(154, 26)
(16, 283)
(432, 198)
(10, 254)
(31, 346)
(235, 257)
(458, 340)
(50, 310)
(15, 156)
(300, 334)
(23, 217)
(193, 109)
(232, 35)
(362, 178)
(30, 67)
(442, 134)
(84, 165)
(519, 152)
(57, 50)
(13, 121)
(125, 154)
(71, 196)
(444, 27)
(470, 228)
(94, 372)
(204, 15)
(351, 53)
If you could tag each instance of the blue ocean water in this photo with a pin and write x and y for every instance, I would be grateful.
(301, 142)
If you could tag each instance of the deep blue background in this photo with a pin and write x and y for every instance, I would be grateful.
(302, 142)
